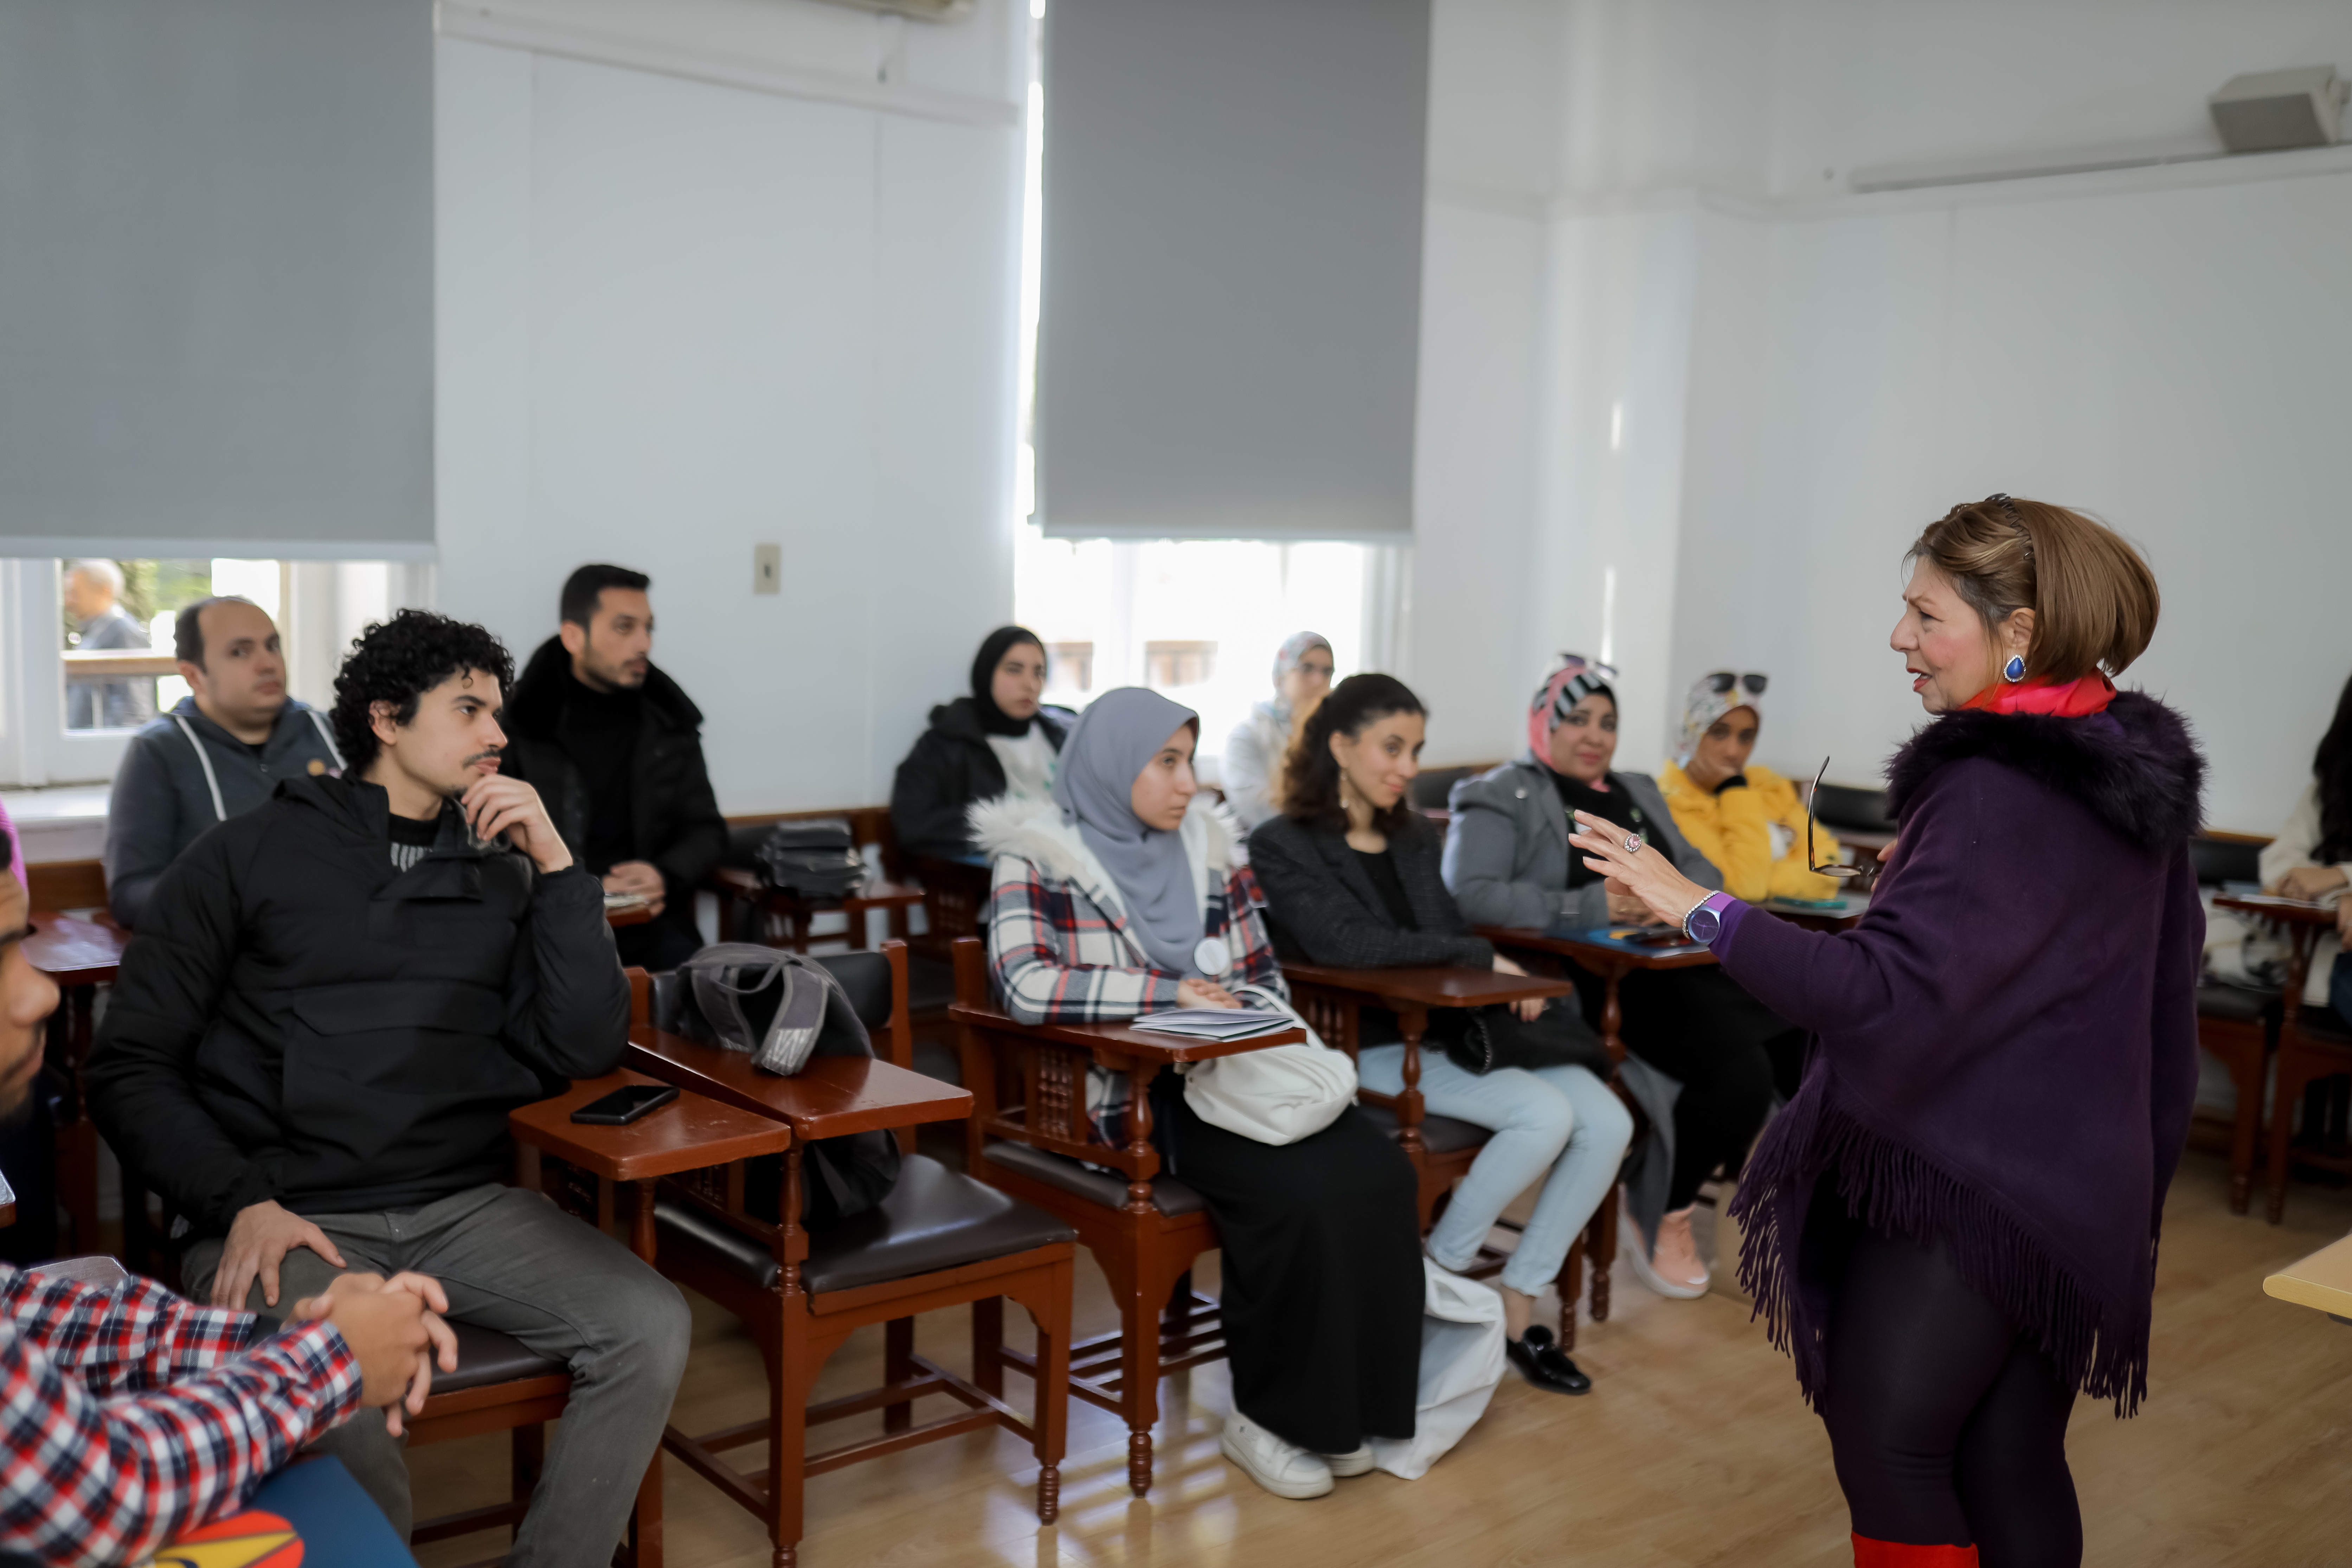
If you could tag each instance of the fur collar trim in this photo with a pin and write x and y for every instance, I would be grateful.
(2136, 766)
(1034, 831)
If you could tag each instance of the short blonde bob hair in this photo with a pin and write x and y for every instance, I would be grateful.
(2094, 602)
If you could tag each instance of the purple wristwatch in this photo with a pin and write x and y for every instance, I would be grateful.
(1705, 922)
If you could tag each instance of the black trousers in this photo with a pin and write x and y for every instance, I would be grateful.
(1729, 1051)
(1949, 1426)
(1321, 1280)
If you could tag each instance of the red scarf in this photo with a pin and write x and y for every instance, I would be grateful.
(2066, 699)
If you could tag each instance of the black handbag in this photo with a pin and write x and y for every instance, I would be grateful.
(1480, 1040)
(814, 860)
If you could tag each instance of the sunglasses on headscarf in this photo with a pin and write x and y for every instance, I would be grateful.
(1752, 684)
(1832, 871)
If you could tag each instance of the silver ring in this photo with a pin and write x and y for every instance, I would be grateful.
(1633, 844)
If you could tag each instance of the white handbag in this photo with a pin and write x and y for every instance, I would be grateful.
(1279, 1094)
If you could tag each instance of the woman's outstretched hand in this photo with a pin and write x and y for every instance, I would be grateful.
(1643, 872)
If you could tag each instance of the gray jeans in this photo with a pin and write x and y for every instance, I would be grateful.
(514, 1262)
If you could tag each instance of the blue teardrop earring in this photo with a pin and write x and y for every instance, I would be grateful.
(2014, 670)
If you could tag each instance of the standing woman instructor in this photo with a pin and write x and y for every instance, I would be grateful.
(1954, 1224)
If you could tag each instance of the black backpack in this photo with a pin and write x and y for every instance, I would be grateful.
(840, 1177)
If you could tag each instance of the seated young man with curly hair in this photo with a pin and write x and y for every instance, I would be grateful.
(330, 1006)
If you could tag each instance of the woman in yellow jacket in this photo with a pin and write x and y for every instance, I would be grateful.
(1743, 817)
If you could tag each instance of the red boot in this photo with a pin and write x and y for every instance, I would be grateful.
(1869, 1553)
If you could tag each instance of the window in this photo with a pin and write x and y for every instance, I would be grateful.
(1069, 671)
(86, 653)
(1170, 666)
(1199, 620)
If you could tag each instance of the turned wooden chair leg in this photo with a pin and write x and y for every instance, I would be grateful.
(1571, 1285)
(1140, 1376)
(2247, 1071)
(2291, 1080)
(1052, 1419)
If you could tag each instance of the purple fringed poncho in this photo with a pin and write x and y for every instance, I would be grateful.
(2007, 1041)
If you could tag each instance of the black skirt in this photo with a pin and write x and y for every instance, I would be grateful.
(1322, 1277)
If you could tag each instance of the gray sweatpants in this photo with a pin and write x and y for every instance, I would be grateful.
(512, 1261)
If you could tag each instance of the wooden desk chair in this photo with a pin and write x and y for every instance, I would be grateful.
(1442, 1149)
(2241, 1029)
(938, 1240)
(1028, 1135)
(2313, 1048)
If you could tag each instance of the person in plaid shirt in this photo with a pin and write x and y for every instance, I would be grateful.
(128, 1415)
(1124, 895)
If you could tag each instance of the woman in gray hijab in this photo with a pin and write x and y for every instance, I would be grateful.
(1122, 896)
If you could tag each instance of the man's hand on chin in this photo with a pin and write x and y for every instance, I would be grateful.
(496, 805)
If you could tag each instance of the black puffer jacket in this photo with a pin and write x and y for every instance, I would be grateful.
(951, 768)
(674, 816)
(297, 1020)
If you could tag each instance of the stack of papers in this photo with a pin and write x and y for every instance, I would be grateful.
(1215, 1023)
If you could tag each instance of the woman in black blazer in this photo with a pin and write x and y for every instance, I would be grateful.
(1351, 876)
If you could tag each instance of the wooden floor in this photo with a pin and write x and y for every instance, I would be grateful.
(1691, 1448)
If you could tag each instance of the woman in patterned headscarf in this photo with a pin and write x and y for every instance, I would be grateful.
(1743, 817)
(1254, 752)
(1699, 1045)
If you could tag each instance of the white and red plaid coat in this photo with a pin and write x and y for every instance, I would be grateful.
(1059, 949)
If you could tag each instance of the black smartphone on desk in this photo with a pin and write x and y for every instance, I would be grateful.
(626, 1104)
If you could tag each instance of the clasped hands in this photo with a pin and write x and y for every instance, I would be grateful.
(397, 1332)
(394, 1326)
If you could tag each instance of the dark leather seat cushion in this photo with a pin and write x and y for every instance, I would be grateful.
(867, 977)
(2236, 1004)
(1169, 1195)
(485, 1356)
(2325, 1024)
(1439, 1134)
(930, 984)
(934, 1218)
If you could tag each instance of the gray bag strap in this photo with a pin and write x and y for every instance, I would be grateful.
(724, 974)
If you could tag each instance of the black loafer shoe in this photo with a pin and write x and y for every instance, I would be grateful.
(1545, 1364)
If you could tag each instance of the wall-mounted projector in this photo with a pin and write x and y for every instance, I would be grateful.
(2266, 111)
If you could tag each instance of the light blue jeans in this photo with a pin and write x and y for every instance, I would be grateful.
(1562, 1119)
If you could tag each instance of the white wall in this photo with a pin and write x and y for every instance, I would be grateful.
(715, 274)
(1809, 374)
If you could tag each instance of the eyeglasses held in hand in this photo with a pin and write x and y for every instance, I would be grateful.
(1831, 871)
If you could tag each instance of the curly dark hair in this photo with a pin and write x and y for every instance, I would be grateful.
(1310, 773)
(398, 661)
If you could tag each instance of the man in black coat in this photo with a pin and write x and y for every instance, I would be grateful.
(330, 1004)
(615, 749)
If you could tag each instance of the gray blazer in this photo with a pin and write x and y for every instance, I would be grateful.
(1507, 850)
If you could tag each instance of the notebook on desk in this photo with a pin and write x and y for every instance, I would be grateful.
(311, 1513)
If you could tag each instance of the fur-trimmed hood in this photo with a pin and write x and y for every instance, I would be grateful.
(1034, 831)
(2135, 766)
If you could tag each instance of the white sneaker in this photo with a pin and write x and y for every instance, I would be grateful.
(1674, 1270)
(1283, 1469)
(1356, 1461)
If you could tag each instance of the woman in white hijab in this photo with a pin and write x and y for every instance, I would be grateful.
(1122, 896)
(1254, 752)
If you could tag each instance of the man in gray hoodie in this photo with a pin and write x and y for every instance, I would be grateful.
(219, 753)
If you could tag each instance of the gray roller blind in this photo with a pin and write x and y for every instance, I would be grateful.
(216, 276)
(1229, 312)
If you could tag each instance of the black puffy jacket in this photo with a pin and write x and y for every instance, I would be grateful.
(296, 1020)
(674, 816)
(951, 768)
